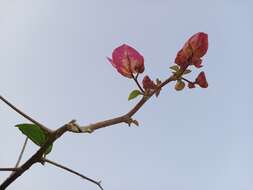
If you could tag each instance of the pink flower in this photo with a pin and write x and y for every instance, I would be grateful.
(148, 84)
(201, 80)
(127, 61)
(193, 50)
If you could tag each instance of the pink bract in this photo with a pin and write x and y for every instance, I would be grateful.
(127, 61)
(193, 50)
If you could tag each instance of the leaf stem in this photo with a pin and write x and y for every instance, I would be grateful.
(137, 82)
(187, 80)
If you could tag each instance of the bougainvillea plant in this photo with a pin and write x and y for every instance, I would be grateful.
(130, 64)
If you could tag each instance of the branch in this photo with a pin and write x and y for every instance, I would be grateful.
(9, 169)
(19, 159)
(187, 80)
(44, 128)
(73, 127)
(21, 153)
(35, 158)
(98, 183)
(127, 118)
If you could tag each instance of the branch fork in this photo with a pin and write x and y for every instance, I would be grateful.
(72, 126)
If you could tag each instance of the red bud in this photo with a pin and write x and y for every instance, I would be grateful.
(148, 84)
(201, 80)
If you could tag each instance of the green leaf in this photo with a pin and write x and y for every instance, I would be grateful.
(35, 134)
(134, 94)
(49, 149)
(174, 68)
(187, 71)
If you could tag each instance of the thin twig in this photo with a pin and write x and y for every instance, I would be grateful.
(44, 128)
(98, 183)
(132, 74)
(21, 153)
(187, 80)
(36, 157)
(9, 169)
(19, 159)
(137, 82)
(125, 118)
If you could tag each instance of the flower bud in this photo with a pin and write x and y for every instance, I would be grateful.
(179, 85)
(201, 80)
(148, 84)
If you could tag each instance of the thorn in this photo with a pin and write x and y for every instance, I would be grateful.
(158, 90)
(129, 121)
(72, 121)
(89, 130)
(77, 126)
(42, 161)
(79, 129)
(135, 122)
(73, 126)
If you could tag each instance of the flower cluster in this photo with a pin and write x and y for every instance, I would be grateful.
(191, 54)
(130, 63)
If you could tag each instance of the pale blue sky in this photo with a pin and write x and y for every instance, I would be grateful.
(53, 58)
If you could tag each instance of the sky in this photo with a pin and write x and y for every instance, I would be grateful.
(53, 66)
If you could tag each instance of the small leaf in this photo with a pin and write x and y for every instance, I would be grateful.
(179, 85)
(49, 149)
(134, 94)
(187, 71)
(35, 134)
(174, 68)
